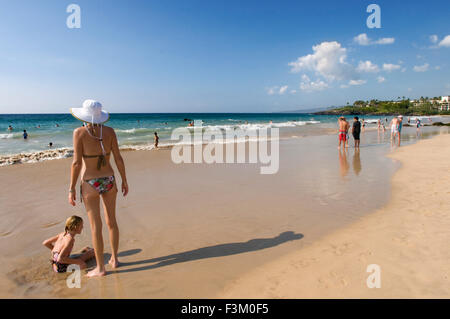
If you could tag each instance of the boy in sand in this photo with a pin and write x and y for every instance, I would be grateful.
(356, 131)
(61, 246)
(156, 140)
(343, 129)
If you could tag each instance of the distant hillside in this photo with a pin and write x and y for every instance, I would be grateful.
(404, 107)
(313, 110)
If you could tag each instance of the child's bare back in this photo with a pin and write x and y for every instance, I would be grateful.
(62, 244)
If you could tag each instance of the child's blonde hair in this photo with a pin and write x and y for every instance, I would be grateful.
(72, 223)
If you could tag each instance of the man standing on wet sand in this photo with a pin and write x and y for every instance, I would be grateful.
(343, 129)
(356, 131)
(400, 125)
(156, 140)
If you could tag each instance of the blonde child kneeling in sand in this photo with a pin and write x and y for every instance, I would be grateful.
(61, 246)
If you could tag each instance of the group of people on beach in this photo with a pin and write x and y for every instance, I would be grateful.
(396, 126)
(344, 128)
(25, 133)
(93, 143)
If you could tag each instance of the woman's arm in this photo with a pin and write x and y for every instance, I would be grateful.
(76, 165)
(120, 164)
(49, 242)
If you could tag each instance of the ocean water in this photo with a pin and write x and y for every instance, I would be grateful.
(136, 130)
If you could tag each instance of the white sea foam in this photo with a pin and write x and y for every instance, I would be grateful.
(5, 136)
(257, 126)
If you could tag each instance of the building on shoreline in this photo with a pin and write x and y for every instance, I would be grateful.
(444, 103)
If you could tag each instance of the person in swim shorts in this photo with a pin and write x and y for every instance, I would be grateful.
(394, 128)
(343, 128)
(399, 127)
(356, 131)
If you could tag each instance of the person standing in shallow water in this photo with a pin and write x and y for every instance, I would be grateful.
(343, 129)
(93, 143)
(156, 140)
(356, 131)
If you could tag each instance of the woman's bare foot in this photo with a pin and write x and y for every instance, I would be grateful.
(96, 273)
(114, 263)
(86, 249)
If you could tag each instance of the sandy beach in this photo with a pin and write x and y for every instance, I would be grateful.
(408, 239)
(208, 231)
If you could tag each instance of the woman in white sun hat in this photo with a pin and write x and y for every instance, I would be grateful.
(92, 144)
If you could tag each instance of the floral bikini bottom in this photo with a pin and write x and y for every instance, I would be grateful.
(101, 184)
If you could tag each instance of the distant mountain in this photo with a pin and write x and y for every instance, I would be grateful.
(313, 110)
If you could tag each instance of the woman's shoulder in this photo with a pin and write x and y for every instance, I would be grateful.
(108, 130)
(79, 130)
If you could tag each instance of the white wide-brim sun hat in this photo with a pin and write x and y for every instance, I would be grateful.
(91, 112)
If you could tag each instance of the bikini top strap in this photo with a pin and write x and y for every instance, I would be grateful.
(100, 139)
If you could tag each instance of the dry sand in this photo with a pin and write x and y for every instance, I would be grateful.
(408, 240)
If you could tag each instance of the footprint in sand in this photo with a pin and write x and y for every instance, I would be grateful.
(363, 256)
(4, 234)
(339, 250)
(402, 240)
(51, 224)
(304, 262)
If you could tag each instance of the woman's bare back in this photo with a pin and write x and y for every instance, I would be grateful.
(91, 147)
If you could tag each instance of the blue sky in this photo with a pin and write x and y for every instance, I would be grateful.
(219, 56)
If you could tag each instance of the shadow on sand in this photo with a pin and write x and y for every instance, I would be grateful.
(91, 262)
(211, 252)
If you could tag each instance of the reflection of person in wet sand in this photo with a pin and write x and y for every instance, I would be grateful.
(356, 162)
(343, 162)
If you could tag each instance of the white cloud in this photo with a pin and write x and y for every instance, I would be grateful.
(344, 86)
(277, 90)
(434, 38)
(385, 41)
(381, 79)
(404, 70)
(363, 39)
(293, 91)
(421, 68)
(283, 89)
(445, 42)
(390, 67)
(357, 82)
(310, 86)
(367, 66)
(271, 91)
(437, 67)
(328, 61)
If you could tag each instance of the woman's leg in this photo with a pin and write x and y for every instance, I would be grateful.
(91, 200)
(109, 207)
